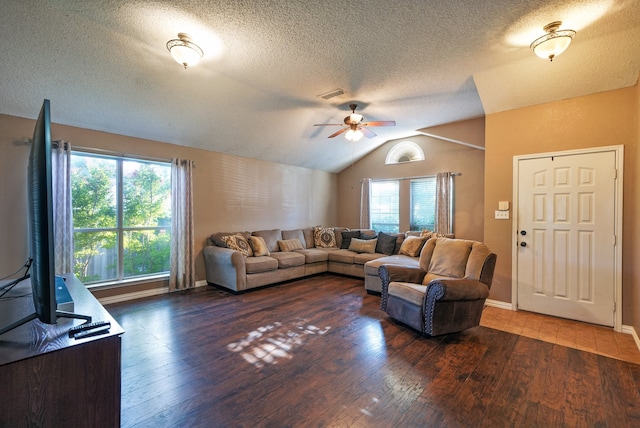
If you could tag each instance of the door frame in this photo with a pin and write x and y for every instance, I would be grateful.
(619, 164)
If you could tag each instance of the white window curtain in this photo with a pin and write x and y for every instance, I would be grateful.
(182, 270)
(365, 216)
(443, 203)
(62, 207)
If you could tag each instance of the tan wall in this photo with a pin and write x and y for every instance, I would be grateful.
(603, 119)
(439, 156)
(632, 206)
(230, 193)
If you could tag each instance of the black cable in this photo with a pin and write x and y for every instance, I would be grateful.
(26, 265)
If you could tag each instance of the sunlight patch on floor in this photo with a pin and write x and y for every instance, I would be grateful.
(275, 342)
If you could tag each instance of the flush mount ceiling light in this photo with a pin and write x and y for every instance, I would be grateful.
(554, 42)
(184, 51)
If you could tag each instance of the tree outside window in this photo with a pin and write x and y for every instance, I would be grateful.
(121, 217)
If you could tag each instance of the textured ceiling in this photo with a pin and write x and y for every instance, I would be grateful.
(104, 66)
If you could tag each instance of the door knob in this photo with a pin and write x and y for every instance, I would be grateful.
(523, 244)
(523, 232)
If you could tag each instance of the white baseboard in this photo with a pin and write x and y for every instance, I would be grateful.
(498, 304)
(632, 331)
(141, 294)
(132, 296)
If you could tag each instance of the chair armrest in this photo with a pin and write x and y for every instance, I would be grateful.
(391, 273)
(446, 289)
(225, 267)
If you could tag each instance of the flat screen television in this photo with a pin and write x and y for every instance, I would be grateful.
(41, 228)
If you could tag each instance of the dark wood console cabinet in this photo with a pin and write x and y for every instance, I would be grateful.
(50, 380)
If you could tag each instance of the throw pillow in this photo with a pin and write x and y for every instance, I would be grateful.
(324, 237)
(294, 234)
(412, 245)
(427, 233)
(290, 245)
(386, 243)
(363, 245)
(368, 234)
(347, 236)
(258, 246)
(239, 243)
(450, 257)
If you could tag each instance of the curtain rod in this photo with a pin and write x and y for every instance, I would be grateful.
(119, 154)
(453, 174)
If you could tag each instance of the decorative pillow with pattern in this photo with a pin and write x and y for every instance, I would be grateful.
(324, 237)
(239, 243)
(258, 246)
(290, 244)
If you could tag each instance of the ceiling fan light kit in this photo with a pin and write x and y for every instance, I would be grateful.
(184, 51)
(554, 42)
(355, 128)
(354, 135)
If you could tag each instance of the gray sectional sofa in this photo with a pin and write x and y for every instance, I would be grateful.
(292, 254)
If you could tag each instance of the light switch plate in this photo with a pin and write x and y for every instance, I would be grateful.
(503, 205)
(502, 215)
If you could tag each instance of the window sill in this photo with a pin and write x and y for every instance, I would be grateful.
(128, 282)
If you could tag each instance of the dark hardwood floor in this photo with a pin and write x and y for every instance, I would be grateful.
(319, 352)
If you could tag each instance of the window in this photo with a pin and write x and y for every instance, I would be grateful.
(390, 212)
(385, 206)
(121, 217)
(423, 203)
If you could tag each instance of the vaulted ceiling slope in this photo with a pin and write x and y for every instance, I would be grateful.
(104, 66)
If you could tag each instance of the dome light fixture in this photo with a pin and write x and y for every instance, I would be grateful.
(184, 51)
(554, 42)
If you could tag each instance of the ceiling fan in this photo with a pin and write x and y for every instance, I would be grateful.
(355, 127)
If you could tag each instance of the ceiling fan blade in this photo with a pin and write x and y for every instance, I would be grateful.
(328, 124)
(335, 134)
(380, 123)
(367, 132)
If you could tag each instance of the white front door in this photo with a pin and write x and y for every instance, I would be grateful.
(566, 236)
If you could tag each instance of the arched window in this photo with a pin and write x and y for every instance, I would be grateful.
(406, 151)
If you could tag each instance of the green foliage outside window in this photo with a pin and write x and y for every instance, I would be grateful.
(121, 217)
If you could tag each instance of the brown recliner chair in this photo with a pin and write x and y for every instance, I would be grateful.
(446, 293)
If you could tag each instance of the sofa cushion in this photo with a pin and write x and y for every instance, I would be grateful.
(342, 256)
(371, 267)
(238, 243)
(475, 263)
(362, 258)
(450, 257)
(410, 292)
(288, 259)
(313, 255)
(260, 264)
(412, 245)
(347, 236)
(308, 237)
(337, 231)
(399, 240)
(258, 246)
(290, 244)
(295, 234)
(324, 237)
(386, 243)
(271, 238)
(363, 245)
